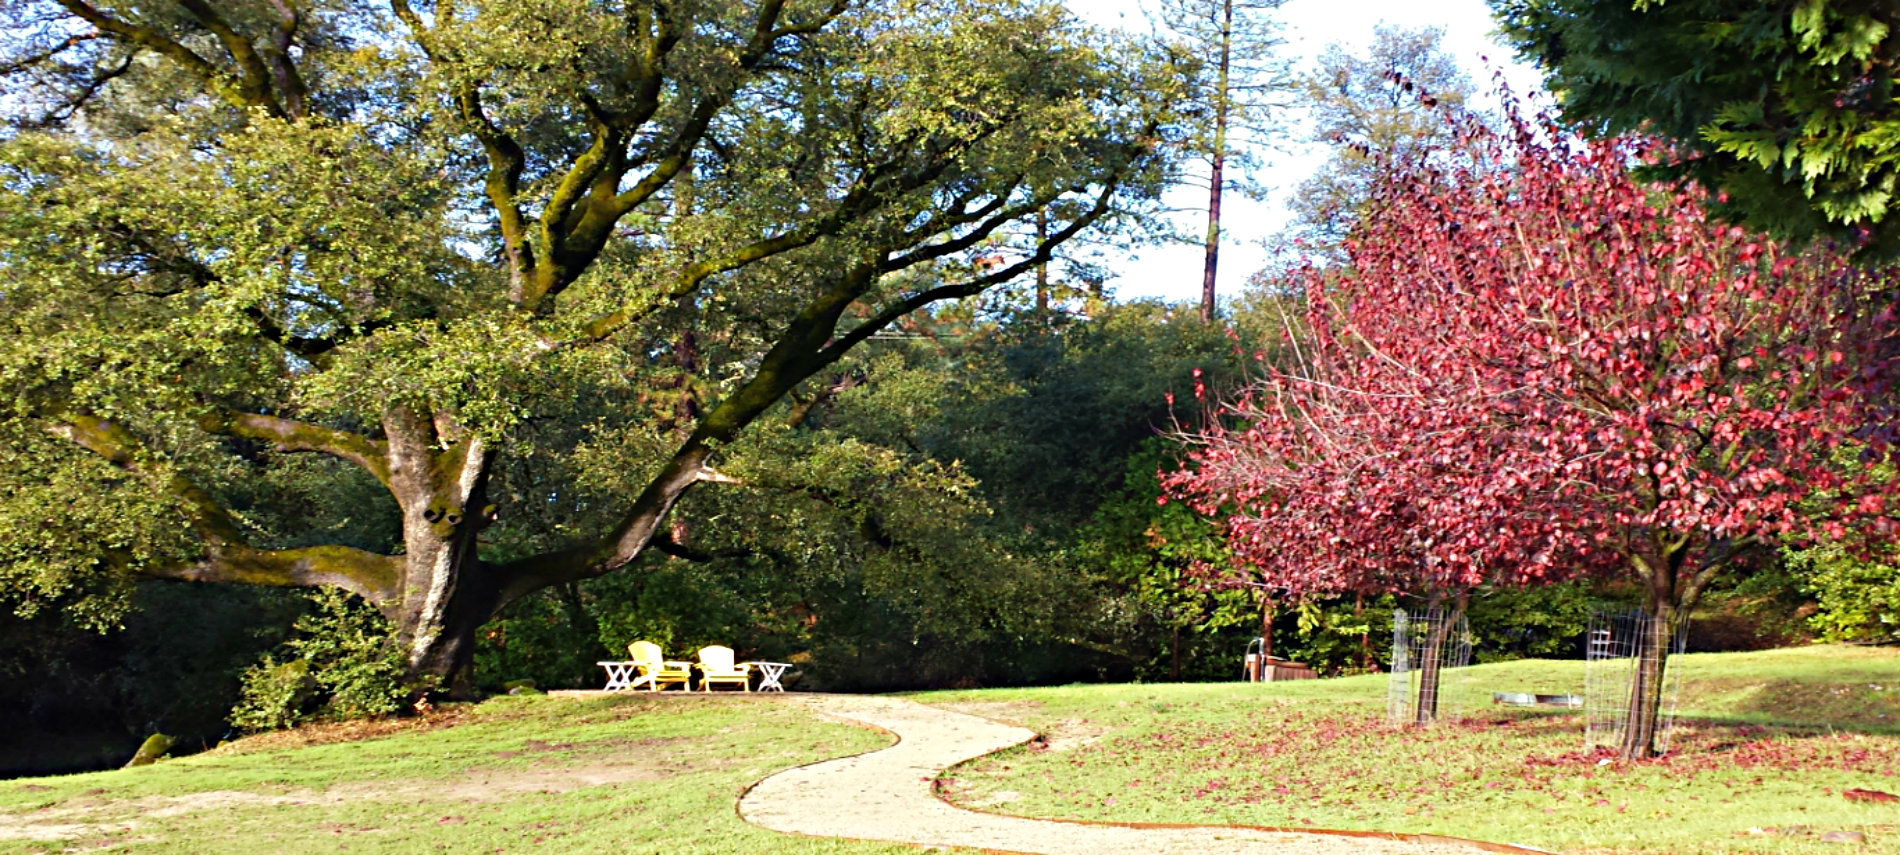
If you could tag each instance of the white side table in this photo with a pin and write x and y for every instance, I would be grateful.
(769, 672)
(619, 675)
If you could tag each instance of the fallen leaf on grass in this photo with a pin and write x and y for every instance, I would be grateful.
(1858, 795)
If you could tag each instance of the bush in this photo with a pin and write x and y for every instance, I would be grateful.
(342, 662)
(276, 695)
(1859, 599)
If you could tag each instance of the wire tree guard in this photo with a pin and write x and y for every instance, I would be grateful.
(1613, 652)
(1425, 649)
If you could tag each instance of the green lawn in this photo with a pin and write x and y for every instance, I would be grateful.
(1771, 741)
(530, 774)
(1768, 741)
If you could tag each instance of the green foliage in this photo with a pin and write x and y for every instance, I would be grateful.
(1162, 603)
(65, 544)
(342, 663)
(1059, 427)
(277, 695)
(1858, 597)
(1788, 106)
(1047, 422)
(1338, 636)
(1539, 622)
(549, 639)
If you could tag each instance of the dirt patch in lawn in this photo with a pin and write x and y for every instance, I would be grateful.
(1060, 735)
(1018, 713)
(328, 733)
(91, 814)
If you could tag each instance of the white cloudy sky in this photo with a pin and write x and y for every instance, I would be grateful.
(1174, 273)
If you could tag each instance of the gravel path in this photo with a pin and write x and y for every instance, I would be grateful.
(886, 795)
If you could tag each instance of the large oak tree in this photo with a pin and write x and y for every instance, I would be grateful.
(425, 241)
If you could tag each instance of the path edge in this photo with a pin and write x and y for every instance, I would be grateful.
(936, 789)
(896, 739)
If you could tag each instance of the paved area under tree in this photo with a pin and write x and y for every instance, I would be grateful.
(886, 795)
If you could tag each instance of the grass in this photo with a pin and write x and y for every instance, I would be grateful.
(526, 774)
(1766, 741)
(1769, 741)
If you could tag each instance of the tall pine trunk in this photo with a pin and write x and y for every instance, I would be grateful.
(1217, 175)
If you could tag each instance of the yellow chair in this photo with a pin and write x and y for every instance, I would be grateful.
(715, 666)
(652, 668)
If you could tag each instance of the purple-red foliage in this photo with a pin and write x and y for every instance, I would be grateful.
(1534, 365)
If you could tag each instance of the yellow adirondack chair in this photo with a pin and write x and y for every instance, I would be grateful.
(715, 666)
(652, 668)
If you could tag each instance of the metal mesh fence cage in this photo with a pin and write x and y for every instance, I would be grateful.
(1426, 648)
(1613, 656)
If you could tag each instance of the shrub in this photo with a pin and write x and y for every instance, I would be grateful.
(342, 662)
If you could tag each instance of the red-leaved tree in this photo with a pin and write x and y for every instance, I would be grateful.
(1533, 365)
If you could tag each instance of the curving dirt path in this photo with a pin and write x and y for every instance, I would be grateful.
(887, 796)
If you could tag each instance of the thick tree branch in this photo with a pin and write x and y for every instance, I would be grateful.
(255, 74)
(580, 216)
(1044, 252)
(292, 435)
(228, 558)
(506, 158)
(154, 40)
(366, 574)
(283, 69)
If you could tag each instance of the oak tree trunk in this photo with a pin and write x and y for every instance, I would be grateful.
(439, 475)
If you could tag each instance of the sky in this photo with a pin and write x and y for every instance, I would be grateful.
(1174, 272)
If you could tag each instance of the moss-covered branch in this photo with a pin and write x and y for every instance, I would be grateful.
(373, 577)
(292, 435)
(254, 75)
(241, 91)
(228, 557)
